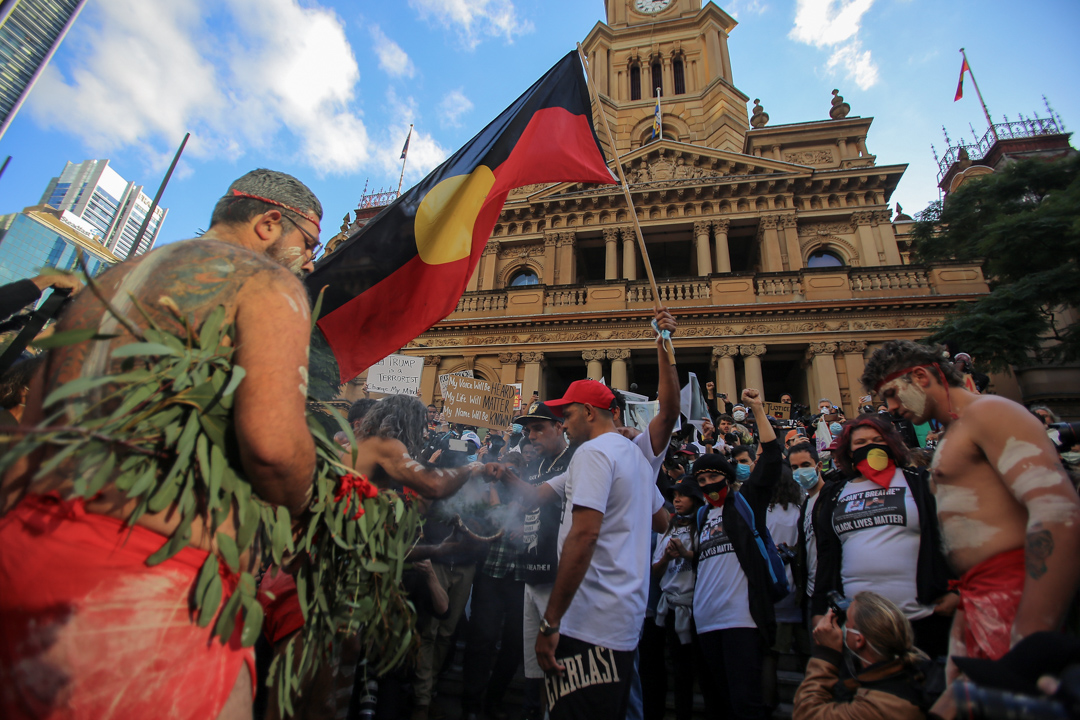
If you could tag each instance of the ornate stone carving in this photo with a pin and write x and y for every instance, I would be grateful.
(591, 355)
(788, 221)
(821, 349)
(759, 118)
(532, 357)
(835, 228)
(701, 227)
(722, 351)
(751, 350)
(507, 358)
(566, 239)
(852, 347)
(721, 226)
(432, 360)
(491, 249)
(839, 109)
(769, 222)
(611, 235)
(810, 157)
(862, 218)
(526, 251)
(528, 189)
(550, 239)
(618, 354)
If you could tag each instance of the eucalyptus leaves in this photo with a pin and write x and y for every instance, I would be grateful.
(159, 429)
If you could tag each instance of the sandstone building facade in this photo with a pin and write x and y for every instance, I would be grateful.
(774, 245)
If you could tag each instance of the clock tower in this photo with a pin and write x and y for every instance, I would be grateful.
(679, 48)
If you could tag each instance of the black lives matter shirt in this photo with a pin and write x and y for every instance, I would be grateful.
(879, 531)
(540, 536)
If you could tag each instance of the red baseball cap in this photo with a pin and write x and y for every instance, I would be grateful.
(586, 392)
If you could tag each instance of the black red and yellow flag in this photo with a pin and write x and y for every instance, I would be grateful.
(405, 270)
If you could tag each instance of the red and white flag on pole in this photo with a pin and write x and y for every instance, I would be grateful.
(960, 85)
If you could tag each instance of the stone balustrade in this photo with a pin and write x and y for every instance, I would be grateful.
(731, 289)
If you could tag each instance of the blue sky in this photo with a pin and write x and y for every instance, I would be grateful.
(326, 89)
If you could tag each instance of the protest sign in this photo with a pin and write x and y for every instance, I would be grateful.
(459, 373)
(396, 375)
(517, 399)
(470, 401)
(778, 410)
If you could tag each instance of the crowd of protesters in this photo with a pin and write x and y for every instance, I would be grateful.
(929, 541)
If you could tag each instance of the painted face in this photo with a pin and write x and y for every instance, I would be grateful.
(905, 398)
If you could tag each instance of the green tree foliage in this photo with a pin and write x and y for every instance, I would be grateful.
(1023, 224)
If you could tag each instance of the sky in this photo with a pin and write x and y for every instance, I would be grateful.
(326, 89)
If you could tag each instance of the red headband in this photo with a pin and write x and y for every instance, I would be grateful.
(901, 373)
(301, 213)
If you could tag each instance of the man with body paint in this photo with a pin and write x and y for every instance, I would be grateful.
(1009, 517)
(81, 613)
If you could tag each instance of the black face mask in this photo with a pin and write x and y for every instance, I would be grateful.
(719, 489)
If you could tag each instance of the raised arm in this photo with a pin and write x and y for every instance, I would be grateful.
(661, 426)
(1015, 443)
(272, 333)
(394, 458)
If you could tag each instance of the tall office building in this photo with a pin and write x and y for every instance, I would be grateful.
(114, 207)
(41, 237)
(30, 33)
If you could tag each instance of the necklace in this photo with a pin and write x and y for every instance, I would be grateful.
(552, 463)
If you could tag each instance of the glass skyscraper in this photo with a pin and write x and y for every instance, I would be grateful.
(41, 237)
(30, 32)
(114, 207)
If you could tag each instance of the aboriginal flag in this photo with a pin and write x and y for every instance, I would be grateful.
(960, 85)
(405, 270)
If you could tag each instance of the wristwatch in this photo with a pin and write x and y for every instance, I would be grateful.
(547, 628)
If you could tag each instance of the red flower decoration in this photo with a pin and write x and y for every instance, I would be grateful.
(355, 483)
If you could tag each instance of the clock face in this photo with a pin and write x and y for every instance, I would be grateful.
(651, 7)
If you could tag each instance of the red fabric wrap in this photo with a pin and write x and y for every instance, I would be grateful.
(989, 596)
(87, 630)
(281, 615)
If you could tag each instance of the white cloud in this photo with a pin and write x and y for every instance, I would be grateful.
(425, 153)
(475, 19)
(834, 24)
(392, 58)
(736, 8)
(452, 107)
(268, 71)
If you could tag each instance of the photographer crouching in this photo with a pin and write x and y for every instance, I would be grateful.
(865, 665)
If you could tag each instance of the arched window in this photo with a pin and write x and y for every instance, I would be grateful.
(657, 80)
(824, 258)
(635, 82)
(522, 278)
(680, 78)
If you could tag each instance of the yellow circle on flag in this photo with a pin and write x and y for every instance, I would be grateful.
(446, 216)
(878, 459)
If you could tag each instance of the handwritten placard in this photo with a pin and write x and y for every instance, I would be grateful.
(459, 373)
(471, 401)
(778, 410)
(396, 375)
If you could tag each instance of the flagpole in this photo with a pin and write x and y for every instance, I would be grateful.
(626, 193)
(404, 159)
(977, 92)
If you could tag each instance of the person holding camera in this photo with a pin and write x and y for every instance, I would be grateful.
(874, 643)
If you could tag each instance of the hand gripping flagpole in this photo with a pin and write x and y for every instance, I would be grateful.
(665, 334)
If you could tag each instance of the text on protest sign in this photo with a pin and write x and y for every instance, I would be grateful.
(459, 373)
(470, 401)
(781, 411)
(396, 375)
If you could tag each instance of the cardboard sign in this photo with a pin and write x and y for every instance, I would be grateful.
(517, 399)
(470, 401)
(778, 410)
(396, 375)
(459, 373)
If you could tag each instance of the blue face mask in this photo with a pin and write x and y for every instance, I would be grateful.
(471, 458)
(515, 429)
(805, 477)
(836, 429)
(742, 472)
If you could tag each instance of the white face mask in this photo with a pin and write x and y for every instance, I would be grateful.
(739, 415)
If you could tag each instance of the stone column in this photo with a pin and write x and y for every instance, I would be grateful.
(861, 143)
(629, 253)
(882, 224)
(856, 364)
(611, 257)
(823, 362)
(724, 357)
(725, 58)
(595, 369)
(550, 261)
(618, 360)
(487, 267)
(534, 374)
(723, 256)
(701, 239)
(508, 374)
(771, 259)
(775, 150)
(668, 74)
(791, 242)
(565, 273)
(429, 378)
(868, 250)
(841, 145)
(474, 279)
(752, 365)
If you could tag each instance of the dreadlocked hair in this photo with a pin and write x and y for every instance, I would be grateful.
(397, 417)
(787, 492)
(897, 355)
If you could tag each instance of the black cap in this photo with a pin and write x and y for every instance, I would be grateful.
(1018, 671)
(537, 411)
(713, 462)
(688, 486)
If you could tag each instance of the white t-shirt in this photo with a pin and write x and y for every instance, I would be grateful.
(784, 527)
(722, 594)
(678, 576)
(644, 443)
(879, 530)
(811, 544)
(606, 475)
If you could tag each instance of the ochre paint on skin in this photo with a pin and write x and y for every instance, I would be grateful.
(910, 395)
(1035, 478)
(411, 464)
(961, 532)
(952, 499)
(303, 381)
(1051, 510)
(1015, 451)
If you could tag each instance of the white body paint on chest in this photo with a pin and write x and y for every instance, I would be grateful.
(1052, 509)
(303, 381)
(952, 499)
(1015, 451)
(961, 532)
(1035, 478)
